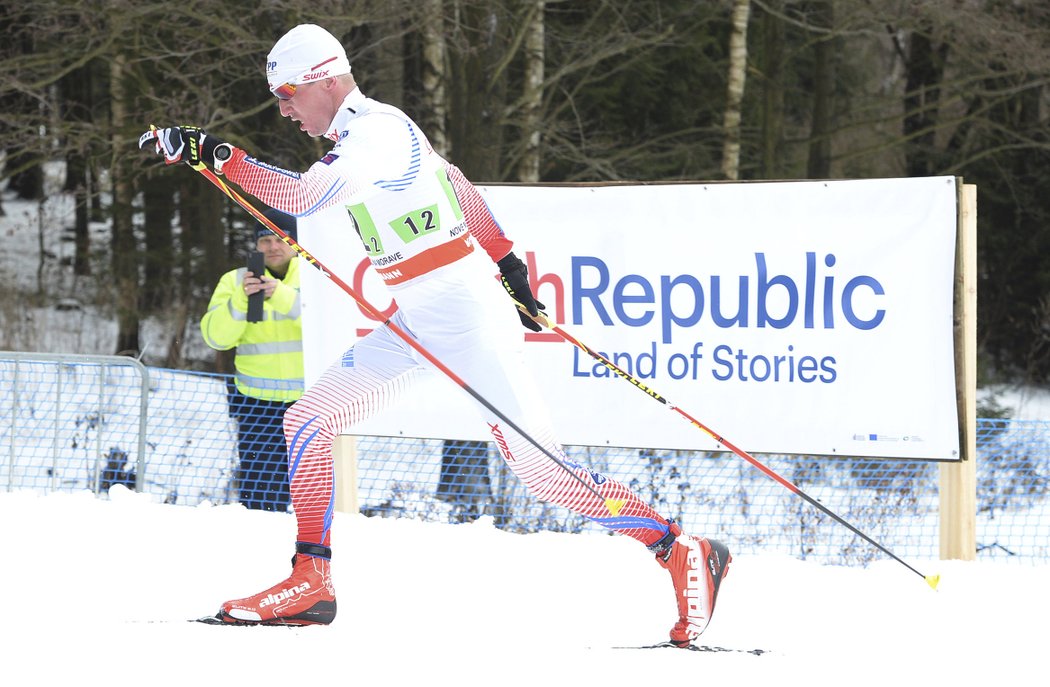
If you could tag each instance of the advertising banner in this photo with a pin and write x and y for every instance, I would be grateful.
(788, 317)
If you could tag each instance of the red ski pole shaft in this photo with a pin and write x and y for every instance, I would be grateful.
(612, 505)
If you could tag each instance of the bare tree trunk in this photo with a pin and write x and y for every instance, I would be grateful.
(175, 359)
(388, 73)
(125, 252)
(158, 288)
(479, 89)
(76, 91)
(77, 186)
(434, 60)
(818, 165)
(203, 237)
(735, 91)
(532, 101)
(41, 246)
(925, 71)
(772, 89)
(223, 361)
(28, 181)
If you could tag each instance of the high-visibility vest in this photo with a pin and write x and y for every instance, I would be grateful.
(269, 359)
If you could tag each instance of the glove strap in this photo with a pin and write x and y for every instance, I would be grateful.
(509, 262)
(313, 550)
(193, 139)
(662, 547)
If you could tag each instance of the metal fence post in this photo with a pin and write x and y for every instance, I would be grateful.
(140, 464)
(97, 477)
(11, 443)
(54, 435)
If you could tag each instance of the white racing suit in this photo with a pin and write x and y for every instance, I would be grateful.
(421, 222)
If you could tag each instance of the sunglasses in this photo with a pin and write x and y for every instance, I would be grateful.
(284, 91)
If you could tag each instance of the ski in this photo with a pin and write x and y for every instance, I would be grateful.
(229, 622)
(704, 648)
(210, 620)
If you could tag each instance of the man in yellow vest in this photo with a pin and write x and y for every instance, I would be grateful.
(268, 362)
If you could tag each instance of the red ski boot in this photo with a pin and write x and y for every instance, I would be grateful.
(307, 597)
(697, 567)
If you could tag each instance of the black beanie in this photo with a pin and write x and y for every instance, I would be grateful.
(284, 222)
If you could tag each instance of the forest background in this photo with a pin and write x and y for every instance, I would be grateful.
(519, 91)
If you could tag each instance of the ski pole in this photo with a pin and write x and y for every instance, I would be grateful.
(612, 505)
(545, 321)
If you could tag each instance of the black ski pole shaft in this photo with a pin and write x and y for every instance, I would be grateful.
(545, 321)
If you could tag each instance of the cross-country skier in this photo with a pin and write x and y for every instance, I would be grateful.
(430, 237)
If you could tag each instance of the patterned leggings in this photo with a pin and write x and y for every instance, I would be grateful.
(477, 335)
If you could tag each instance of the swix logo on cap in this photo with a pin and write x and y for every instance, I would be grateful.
(329, 158)
(316, 72)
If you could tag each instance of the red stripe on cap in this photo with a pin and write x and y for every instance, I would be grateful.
(318, 66)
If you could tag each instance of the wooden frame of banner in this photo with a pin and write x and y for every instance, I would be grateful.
(958, 479)
(344, 458)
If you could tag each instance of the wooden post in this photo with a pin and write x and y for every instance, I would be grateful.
(958, 480)
(344, 457)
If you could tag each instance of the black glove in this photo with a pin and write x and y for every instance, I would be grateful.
(516, 282)
(187, 144)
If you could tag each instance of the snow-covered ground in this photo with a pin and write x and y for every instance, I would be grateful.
(1020, 402)
(100, 591)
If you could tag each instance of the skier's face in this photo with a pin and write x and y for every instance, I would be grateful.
(311, 106)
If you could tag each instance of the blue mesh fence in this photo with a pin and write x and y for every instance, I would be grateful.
(74, 424)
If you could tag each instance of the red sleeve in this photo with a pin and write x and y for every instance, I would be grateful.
(291, 192)
(480, 221)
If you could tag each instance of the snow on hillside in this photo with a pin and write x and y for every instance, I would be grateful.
(55, 311)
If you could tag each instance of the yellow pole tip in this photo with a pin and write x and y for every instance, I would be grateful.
(933, 581)
(614, 506)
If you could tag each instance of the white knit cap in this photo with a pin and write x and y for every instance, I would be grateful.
(306, 53)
